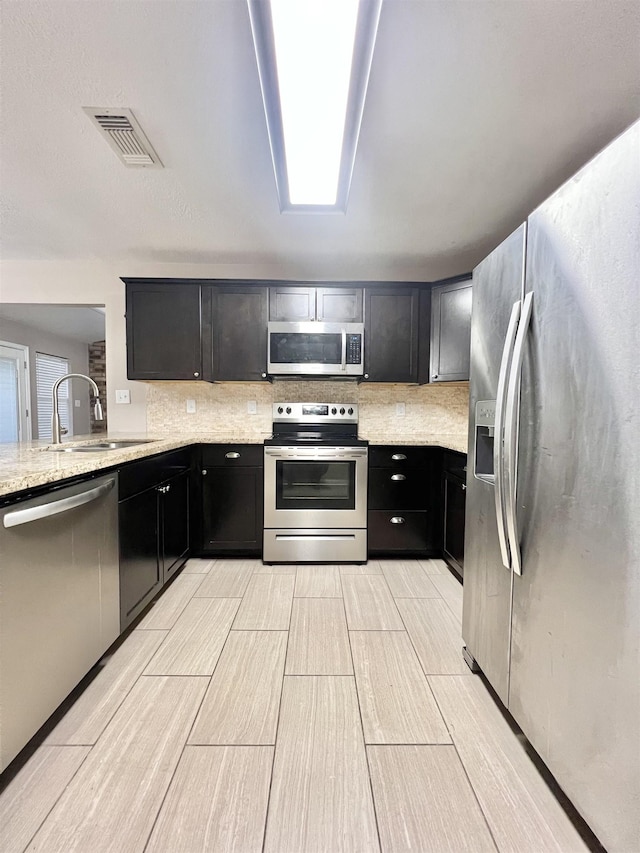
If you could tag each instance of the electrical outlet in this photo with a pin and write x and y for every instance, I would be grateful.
(191, 407)
(252, 407)
(76, 403)
(123, 396)
(400, 409)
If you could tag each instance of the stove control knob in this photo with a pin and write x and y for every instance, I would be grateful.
(288, 410)
(350, 411)
(342, 411)
(334, 411)
(280, 410)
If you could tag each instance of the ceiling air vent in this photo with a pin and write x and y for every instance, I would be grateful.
(125, 136)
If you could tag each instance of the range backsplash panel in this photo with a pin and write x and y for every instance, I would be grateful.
(430, 410)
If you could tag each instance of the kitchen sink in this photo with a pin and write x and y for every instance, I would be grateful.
(100, 446)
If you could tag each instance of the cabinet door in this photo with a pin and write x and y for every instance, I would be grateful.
(175, 523)
(454, 511)
(450, 332)
(140, 567)
(400, 532)
(339, 304)
(398, 489)
(391, 334)
(292, 303)
(163, 331)
(232, 510)
(239, 333)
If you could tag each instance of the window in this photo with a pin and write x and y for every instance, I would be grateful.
(49, 368)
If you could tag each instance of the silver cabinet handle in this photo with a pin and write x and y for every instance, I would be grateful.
(343, 360)
(498, 454)
(398, 477)
(365, 375)
(196, 374)
(232, 454)
(398, 457)
(512, 411)
(397, 519)
(35, 513)
(204, 472)
(263, 375)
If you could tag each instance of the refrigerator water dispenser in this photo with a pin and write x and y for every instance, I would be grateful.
(484, 436)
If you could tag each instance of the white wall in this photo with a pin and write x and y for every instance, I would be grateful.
(75, 352)
(98, 283)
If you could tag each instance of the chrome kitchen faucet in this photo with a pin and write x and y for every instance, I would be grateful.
(55, 418)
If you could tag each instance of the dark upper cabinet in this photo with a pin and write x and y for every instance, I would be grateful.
(325, 304)
(392, 321)
(239, 323)
(297, 304)
(450, 332)
(339, 304)
(163, 331)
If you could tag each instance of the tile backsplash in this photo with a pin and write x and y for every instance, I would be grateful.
(222, 409)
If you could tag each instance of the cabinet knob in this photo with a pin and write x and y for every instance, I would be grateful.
(435, 376)
(167, 488)
(365, 376)
(204, 472)
(464, 487)
(196, 374)
(398, 477)
(232, 454)
(398, 457)
(397, 519)
(263, 375)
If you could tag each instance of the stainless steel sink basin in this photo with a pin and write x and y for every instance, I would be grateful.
(101, 446)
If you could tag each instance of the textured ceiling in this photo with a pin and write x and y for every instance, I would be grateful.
(476, 111)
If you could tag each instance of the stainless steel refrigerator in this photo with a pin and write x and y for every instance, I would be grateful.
(552, 550)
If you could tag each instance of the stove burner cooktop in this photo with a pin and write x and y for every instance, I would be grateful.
(308, 424)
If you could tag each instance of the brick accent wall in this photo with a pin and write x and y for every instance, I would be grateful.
(98, 372)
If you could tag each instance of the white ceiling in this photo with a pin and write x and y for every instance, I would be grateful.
(81, 324)
(476, 111)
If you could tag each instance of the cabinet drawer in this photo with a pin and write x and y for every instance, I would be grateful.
(143, 474)
(223, 455)
(400, 457)
(392, 488)
(411, 534)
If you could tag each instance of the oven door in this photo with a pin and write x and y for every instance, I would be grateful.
(315, 487)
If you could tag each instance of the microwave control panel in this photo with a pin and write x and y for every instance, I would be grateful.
(354, 349)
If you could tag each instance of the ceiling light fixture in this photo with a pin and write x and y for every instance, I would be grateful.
(314, 58)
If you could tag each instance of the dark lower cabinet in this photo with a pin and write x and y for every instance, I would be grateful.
(231, 484)
(403, 500)
(153, 521)
(454, 504)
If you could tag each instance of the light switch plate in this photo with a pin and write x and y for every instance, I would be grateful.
(400, 409)
(252, 407)
(191, 407)
(123, 396)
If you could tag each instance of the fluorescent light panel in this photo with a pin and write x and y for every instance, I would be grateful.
(314, 58)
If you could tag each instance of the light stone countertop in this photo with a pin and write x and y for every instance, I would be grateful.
(33, 463)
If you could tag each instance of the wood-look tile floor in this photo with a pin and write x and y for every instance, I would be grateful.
(287, 709)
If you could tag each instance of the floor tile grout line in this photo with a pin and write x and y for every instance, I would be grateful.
(58, 798)
(462, 764)
(364, 744)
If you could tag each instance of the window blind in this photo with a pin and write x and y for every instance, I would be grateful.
(49, 368)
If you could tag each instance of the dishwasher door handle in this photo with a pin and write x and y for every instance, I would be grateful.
(34, 513)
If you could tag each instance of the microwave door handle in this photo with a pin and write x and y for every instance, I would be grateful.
(512, 411)
(498, 440)
(343, 362)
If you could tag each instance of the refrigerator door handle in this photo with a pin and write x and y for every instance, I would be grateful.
(498, 455)
(512, 409)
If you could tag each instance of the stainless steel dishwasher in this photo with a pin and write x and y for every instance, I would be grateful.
(59, 603)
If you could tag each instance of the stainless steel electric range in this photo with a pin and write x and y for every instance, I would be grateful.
(315, 485)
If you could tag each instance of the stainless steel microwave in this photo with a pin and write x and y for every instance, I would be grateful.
(316, 349)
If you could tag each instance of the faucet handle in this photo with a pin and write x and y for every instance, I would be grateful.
(63, 430)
